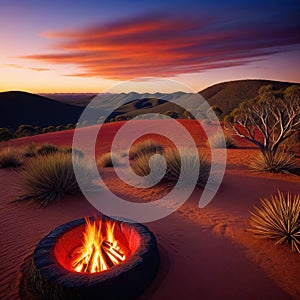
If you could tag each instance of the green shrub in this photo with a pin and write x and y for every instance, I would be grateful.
(49, 178)
(278, 219)
(10, 158)
(281, 161)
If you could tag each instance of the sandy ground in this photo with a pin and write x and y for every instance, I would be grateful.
(205, 253)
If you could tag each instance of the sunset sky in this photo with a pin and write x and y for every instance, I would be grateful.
(89, 46)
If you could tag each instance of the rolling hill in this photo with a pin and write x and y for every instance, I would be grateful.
(228, 95)
(24, 108)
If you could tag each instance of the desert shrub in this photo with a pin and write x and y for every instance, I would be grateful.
(10, 158)
(145, 147)
(120, 118)
(49, 178)
(71, 150)
(37, 129)
(280, 161)
(47, 149)
(216, 141)
(171, 114)
(49, 129)
(206, 122)
(29, 150)
(174, 162)
(59, 127)
(5, 134)
(105, 160)
(278, 219)
(25, 130)
(186, 164)
(70, 126)
(142, 168)
(268, 121)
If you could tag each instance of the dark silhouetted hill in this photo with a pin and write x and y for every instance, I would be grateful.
(24, 108)
(17, 108)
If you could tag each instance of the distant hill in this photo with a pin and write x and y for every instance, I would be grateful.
(228, 95)
(17, 108)
(24, 108)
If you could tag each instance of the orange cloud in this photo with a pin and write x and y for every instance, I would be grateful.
(30, 68)
(165, 46)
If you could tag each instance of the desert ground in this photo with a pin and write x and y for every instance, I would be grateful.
(205, 253)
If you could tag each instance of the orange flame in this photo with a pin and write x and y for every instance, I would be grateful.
(99, 251)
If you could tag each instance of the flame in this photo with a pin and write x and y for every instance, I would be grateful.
(98, 251)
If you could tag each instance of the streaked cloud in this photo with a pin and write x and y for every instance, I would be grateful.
(164, 45)
(27, 68)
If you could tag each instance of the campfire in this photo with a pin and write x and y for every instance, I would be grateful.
(85, 258)
(100, 250)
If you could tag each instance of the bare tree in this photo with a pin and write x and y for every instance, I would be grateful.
(268, 120)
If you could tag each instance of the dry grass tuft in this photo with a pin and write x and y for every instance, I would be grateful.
(148, 146)
(106, 160)
(217, 141)
(149, 166)
(29, 150)
(278, 219)
(281, 161)
(48, 178)
(10, 158)
(47, 149)
(71, 150)
(186, 166)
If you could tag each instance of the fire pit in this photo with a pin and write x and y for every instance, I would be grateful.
(94, 258)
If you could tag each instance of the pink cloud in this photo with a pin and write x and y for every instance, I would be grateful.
(164, 46)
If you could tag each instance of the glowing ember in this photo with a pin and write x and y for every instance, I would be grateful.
(100, 250)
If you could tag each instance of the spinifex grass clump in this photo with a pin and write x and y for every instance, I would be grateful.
(186, 164)
(72, 150)
(278, 219)
(106, 160)
(151, 171)
(29, 150)
(148, 146)
(10, 158)
(47, 149)
(281, 161)
(218, 140)
(48, 178)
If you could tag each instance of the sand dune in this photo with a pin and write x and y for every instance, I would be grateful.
(205, 253)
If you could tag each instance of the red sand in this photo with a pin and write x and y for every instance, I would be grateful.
(205, 253)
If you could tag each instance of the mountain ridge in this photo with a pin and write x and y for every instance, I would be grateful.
(19, 107)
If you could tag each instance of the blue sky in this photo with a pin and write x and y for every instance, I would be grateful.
(92, 45)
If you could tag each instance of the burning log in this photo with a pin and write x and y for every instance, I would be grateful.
(51, 273)
(117, 255)
(109, 263)
(99, 251)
